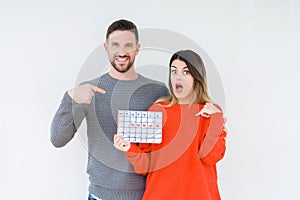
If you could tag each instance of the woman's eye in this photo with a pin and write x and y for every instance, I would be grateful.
(173, 71)
(186, 72)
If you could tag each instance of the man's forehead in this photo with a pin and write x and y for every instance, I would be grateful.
(122, 36)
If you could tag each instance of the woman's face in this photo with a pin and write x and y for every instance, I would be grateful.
(182, 82)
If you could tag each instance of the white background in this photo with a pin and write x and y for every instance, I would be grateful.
(254, 45)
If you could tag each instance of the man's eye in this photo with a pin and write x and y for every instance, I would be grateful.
(115, 44)
(129, 45)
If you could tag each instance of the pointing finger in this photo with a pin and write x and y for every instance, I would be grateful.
(97, 89)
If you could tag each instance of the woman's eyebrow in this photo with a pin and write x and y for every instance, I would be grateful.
(182, 68)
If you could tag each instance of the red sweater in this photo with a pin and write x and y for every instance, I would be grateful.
(183, 166)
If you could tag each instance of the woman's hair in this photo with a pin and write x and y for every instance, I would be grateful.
(197, 70)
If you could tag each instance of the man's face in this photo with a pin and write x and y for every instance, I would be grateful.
(121, 47)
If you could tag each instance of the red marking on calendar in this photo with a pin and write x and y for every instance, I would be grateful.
(132, 123)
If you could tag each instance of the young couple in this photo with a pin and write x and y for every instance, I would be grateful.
(183, 166)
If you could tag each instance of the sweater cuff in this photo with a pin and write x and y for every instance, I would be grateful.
(67, 100)
(134, 149)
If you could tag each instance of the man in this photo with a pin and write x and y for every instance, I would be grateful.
(111, 176)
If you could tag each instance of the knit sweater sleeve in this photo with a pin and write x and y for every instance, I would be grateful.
(66, 121)
(139, 157)
(212, 147)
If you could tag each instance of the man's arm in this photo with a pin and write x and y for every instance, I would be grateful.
(71, 112)
(66, 122)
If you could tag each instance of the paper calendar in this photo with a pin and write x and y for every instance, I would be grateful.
(140, 126)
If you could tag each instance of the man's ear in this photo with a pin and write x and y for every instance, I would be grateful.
(137, 49)
(105, 46)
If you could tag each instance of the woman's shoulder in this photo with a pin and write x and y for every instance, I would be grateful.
(158, 106)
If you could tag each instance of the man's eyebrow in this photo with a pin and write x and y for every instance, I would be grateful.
(131, 43)
(174, 67)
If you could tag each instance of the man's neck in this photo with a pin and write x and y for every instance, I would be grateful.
(129, 75)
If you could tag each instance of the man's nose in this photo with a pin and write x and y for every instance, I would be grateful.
(122, 51)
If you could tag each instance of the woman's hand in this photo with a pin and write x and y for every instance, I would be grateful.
(207, 110)
(120, 143)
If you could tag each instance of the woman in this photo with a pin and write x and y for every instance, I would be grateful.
(183, 165)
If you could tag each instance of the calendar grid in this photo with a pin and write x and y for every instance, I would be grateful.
(140, 126)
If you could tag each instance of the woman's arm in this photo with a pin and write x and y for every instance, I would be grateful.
(212, 148)
(138, 156)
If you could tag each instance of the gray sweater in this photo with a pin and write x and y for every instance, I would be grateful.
(111, 175)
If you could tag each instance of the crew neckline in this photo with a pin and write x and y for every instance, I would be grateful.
(126, 81)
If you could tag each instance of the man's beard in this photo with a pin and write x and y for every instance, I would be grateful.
(130, 64)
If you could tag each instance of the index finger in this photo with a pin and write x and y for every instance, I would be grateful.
(97, 89)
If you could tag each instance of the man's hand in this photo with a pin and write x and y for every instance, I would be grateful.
(83, 94)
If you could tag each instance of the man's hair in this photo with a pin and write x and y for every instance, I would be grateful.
(123, 25)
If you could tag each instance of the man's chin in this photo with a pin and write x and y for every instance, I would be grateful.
(122, 69)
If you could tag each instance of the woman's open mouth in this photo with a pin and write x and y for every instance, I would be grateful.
(178, 87)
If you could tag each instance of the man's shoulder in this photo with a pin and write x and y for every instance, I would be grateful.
(151, 81)
(96, 80)
(153, 87)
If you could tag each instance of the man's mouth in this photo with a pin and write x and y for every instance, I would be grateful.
(178, 87)
(122, 58)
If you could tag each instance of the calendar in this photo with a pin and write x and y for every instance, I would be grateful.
(140, 126)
